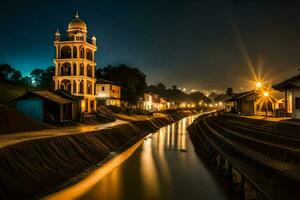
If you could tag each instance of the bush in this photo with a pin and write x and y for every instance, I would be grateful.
(115, 109)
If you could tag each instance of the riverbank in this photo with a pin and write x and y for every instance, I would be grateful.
(33, 168)
(239, 146)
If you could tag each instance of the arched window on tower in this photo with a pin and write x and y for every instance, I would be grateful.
(89, 54)
(65, 69)
(65, 52)
(62, 87)
(89, 87)
(82, 52)
(74, 52)
(81, 85)
(65, 85)
(81, 69)
(74, 69)
(89, 71)
(74, 87)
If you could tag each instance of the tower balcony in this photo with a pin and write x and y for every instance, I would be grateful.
(82, 60)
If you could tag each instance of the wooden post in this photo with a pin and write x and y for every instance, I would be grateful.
(285, 104)
(266, 100)
(61, 112)
(253, 98)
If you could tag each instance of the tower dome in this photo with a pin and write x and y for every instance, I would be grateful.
(77, 24)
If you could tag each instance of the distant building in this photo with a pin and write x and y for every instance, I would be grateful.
(291, 89)
(153, 102)
(75, 63)
(109, 92)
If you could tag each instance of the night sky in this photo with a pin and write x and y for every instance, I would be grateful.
(193, 44)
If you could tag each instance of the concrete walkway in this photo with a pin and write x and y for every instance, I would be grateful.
(9, 139)
(286, 120)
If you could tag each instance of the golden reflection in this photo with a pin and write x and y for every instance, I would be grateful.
(149, 171)
(163, 163)
(75, 191)
(168, 136)
(172, 133)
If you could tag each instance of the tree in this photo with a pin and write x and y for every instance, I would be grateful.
(6, 71)
(43, 78)
(132, 81)
(229, 91)
(26, 81)
(36, 76)
(16, 76)
(47, 78)
(196, 97)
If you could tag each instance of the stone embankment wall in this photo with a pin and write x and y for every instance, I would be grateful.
(33, 168)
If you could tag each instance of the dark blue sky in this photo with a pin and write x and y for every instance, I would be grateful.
(188, 43)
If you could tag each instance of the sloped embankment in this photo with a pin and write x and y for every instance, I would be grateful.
(12, 121)
(33, 168)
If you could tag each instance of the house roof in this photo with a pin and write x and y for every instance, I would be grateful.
(240, 95)
(68, 95)
(288, 83)
(52, 96)
(103, 81)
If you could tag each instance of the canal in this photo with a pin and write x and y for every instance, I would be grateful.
(165, 166)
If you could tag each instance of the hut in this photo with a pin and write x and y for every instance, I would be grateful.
(46, 106)
(291, 89)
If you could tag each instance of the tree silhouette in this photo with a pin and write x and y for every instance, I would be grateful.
(132, 81)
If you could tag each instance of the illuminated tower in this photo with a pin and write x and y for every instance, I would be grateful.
(75, 63)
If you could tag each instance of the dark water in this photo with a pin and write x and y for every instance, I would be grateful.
(165, 166)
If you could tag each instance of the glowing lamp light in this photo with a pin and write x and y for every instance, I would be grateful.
(258, 84)
(266, 94)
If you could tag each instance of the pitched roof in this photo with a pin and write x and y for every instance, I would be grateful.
(288, 83)
(240, 95)
(52, 96)
(103, 81)
(68, 95)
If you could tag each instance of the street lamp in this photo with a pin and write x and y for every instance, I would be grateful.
(258, 84)
(266, 94)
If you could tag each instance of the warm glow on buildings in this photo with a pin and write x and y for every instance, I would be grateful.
(109, 92)
(153, 102)
(75, 63)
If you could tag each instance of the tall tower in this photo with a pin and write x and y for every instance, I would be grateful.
(75, 63)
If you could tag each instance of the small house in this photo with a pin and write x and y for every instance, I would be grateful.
(251, 103)
(108, 92)
(46, 106)
(291, 89)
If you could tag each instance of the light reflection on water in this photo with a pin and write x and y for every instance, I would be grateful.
(164, 167)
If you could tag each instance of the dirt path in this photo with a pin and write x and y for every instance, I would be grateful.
(9, 139)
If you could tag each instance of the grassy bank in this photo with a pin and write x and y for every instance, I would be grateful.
(33, 168)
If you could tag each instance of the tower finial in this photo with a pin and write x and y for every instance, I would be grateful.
(77, 15)
(57, 31)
